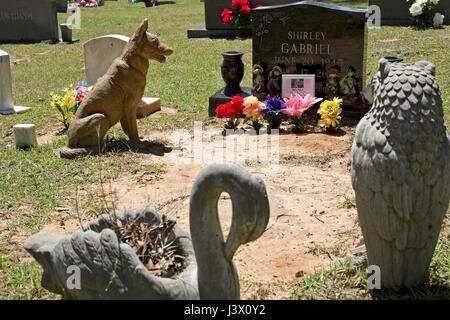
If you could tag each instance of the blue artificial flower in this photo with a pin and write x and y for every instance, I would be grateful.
(82, 84)
(274, 105)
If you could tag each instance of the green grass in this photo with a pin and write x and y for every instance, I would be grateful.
(34, 183)
(350, 281)
(348, 203)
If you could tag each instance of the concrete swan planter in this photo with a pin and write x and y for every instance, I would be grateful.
(112, 270)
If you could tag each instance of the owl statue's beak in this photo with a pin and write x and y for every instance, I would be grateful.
(367, 94)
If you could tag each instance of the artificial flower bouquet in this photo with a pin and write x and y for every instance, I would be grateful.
(423, 15)
(240, 15)
(273, 111)
(89, 3)
(68, 103)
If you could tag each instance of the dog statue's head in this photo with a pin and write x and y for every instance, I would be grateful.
(149, 45)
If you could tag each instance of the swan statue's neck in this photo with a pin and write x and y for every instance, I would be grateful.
(217, 276)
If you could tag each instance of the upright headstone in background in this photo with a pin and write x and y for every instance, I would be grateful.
(99, 54)
(61, 5)
(396, 13)
(214, 26)
(6, 95)
(308, 37)
(28, 21)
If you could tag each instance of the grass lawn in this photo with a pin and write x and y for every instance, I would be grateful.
(33, 184)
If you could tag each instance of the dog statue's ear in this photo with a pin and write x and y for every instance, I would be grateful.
(141, 31)
(143, 28)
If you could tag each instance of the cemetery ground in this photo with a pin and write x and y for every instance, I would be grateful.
(313, 216)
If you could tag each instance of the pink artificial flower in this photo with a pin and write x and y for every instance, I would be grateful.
(296, 105)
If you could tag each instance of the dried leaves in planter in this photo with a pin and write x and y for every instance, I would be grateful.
(154, 244)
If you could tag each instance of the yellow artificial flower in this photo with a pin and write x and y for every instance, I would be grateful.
(330, 113)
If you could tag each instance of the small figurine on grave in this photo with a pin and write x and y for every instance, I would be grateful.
(349, 87)
(332, 83)
(259, 88)
(274, 83)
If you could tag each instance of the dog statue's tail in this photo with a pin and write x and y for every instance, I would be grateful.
(72, 153)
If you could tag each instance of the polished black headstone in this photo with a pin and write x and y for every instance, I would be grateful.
(309, 37)
(214, 26)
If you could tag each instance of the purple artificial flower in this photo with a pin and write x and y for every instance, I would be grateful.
(274, 105)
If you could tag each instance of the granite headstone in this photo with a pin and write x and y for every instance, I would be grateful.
(396, 13)
(28, 21)
(309, 37)
(214, 26)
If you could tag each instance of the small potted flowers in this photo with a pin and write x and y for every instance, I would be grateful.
(253, 109)
(296, 105)
(231, 112)
(423, 15)
(273, 112)
(330, 113)
(68, 104)
(240, 15)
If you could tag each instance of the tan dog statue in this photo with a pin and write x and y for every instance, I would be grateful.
(115, 96)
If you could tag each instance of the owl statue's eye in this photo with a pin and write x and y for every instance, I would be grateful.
(384, 66)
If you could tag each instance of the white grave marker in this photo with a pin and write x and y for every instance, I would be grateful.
(6, 95)
(25, 136)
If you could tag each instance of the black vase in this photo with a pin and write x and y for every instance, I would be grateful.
(232, 72)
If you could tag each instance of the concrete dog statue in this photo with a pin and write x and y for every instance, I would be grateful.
(115, 96)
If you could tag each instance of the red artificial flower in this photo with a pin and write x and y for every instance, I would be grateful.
(231, 109)
(245, 10)
(237, 3)
(227, 16)
(220, 111)
(237, 103)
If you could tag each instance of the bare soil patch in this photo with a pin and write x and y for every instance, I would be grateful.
(308, 229)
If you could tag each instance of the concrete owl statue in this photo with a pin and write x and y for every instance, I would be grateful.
(400, 172)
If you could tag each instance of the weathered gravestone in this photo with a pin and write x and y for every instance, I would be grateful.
(28, 21)
(214, 26)
(99, 53)
(6, 95)
(396, 13)
(307, 37)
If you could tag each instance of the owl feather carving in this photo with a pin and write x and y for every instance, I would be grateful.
(400, 172)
